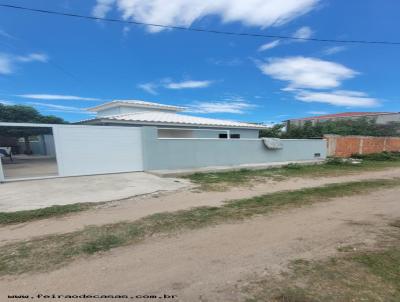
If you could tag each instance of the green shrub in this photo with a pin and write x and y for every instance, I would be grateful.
(335, 161)
(293, 166)
(383, 156)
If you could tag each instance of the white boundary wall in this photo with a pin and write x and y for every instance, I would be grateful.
(194, 153)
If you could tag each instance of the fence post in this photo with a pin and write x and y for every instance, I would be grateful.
(1, 172)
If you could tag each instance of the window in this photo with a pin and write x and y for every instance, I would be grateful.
(32, 139)
(175, 133)
(223, 135)
(235, 135)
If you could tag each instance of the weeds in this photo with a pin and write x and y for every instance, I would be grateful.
(354, 276)
(53, 211)
(217, 181)
(49, 252)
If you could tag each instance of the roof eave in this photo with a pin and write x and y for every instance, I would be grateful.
(105, 120)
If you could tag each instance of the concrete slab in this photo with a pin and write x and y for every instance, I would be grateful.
(34, 194)
(23, 166)
(171, 173)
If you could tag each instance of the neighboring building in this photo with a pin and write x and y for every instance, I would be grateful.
(380, 117)
(169, 120)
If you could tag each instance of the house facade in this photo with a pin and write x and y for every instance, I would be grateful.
(133, 136)
(170, 121)
(381, 118)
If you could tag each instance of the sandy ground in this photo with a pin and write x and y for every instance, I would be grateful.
(212, 264)
(134, 208)
(34, 194)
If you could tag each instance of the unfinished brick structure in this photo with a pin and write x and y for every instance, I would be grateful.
(345, 146)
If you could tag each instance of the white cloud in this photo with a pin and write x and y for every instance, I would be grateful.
(303, 33)
(225, 62)
(261, 13)
(5, 64)
(338, 98)
(126, 30)
(302, 72)
(269, 45)
(237, 106)
(56, 97)
(270, 124)
(149, 87)
(187, 84)
(3, 33)
(167, 83)
(8, 61)
(4, 102)
(58, 108)
(334, 49)
(33, 57)
(102, 8)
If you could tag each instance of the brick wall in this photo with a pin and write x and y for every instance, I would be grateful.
(345, 146)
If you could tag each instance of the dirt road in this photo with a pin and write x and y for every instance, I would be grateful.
(134, 208)
(212, 264)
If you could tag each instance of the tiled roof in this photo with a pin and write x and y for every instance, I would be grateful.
(157, 118)
(344, 114)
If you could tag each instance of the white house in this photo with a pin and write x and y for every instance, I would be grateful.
(130, 136)
(169, 121)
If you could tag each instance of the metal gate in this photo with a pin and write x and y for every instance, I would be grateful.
(86, 150)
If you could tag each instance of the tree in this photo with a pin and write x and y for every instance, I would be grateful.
(274, 131)
(361, 126)
(25, 114)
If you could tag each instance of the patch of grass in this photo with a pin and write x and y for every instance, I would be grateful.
(294, 294)
(384, 264)
(53, 251)
(384, 156)
(217, 181)
(346, 249)
(354, 277)
(53, 211)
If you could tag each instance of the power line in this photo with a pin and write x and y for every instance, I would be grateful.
(65, 14)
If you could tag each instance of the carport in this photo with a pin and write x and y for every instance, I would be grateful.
(27, 151)
(67, 150)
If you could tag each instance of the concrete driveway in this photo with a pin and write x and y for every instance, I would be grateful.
(34, 194)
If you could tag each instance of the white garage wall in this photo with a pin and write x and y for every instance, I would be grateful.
(86, 150)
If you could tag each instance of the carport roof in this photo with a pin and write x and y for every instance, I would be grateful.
(166, 118)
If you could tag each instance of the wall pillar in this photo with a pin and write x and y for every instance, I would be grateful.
(149, 141)
(361, 146)
(2, 178)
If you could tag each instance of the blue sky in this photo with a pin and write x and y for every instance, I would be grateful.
(62, 65)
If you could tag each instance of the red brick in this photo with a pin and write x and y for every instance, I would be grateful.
(348, 145)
